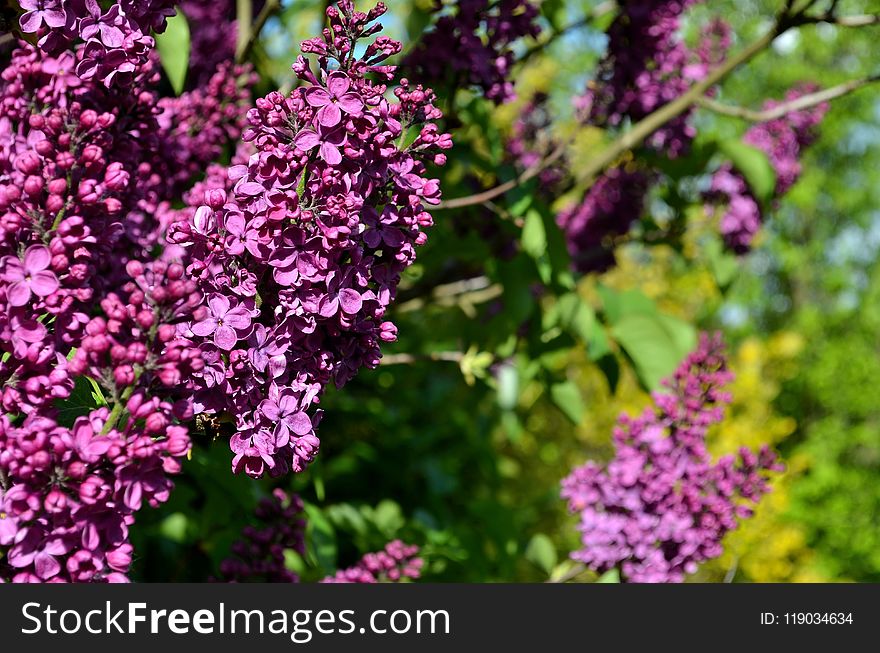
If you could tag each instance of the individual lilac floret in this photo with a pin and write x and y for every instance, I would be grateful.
(306, 240)
(396, 563)
(259, 555)
(782, 140)
(474, 45)
(661, 506)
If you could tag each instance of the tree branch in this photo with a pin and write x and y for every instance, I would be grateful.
(248, 36)
(803, 102)
(636, 135)
(409, 359)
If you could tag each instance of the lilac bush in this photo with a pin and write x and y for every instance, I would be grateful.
(660, 507)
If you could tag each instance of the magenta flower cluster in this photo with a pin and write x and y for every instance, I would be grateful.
(782, 140)
(300, 252)
(88, 316)
(117, 41)
(259, 555)
(395, 563)
(608, 210)
(68, 495)
(661, 506)
(473, 45)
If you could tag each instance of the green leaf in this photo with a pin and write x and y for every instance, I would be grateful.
(724, 264)
(174, 527)
(85, 397)
(656, 344)
(567, 397)
(541, 552)
(173, 46)
(534, 236)
(611, 576)
(754, 165)
(618, 305)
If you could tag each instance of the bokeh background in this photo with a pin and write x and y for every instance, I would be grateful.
(459, 440)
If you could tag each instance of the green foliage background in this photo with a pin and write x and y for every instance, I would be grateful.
(496, 392)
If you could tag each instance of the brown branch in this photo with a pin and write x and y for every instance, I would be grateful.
(507, 186)
(803, 102)
(409, 359)
(248, 37)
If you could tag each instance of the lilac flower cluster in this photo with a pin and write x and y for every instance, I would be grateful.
(69, 495)
(117, 41)
(782, 140)
(647, 66)
(259, 555)
(473, 46)
(608, 210)
(300, 259)
(395, 563)
(213, 33)
(661, 506)
(84, 168)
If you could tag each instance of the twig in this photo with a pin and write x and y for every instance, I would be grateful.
(803, 102)
(466, 293)
(247, 38)
(843, 21)
(409, 359)
(507, 186)
(244, 16)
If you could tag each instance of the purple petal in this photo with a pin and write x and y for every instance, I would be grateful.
(317, 96)
(225, 337)
(205, 327)
(237, 320)
(18, 294)
(46, 566)
(31, 21)
(44, 283)
(351, 103)
(306, 139)
(328, 307)
(329, 115)
(300, 423)
(36, 258)
(338, 83)
(350, 300)
(330, 154)
(219, 305)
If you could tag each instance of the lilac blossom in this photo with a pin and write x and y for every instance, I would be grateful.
(661, 507)
(395, 563)
(285, 237)
(30, 276)
(782, 140)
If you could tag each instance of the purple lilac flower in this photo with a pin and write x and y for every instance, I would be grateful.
(660, 507)
(259, 555)
(30, 276)
(783, 140)
(290, 236)
(608, 209)
(473, 45)
(395, 563)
